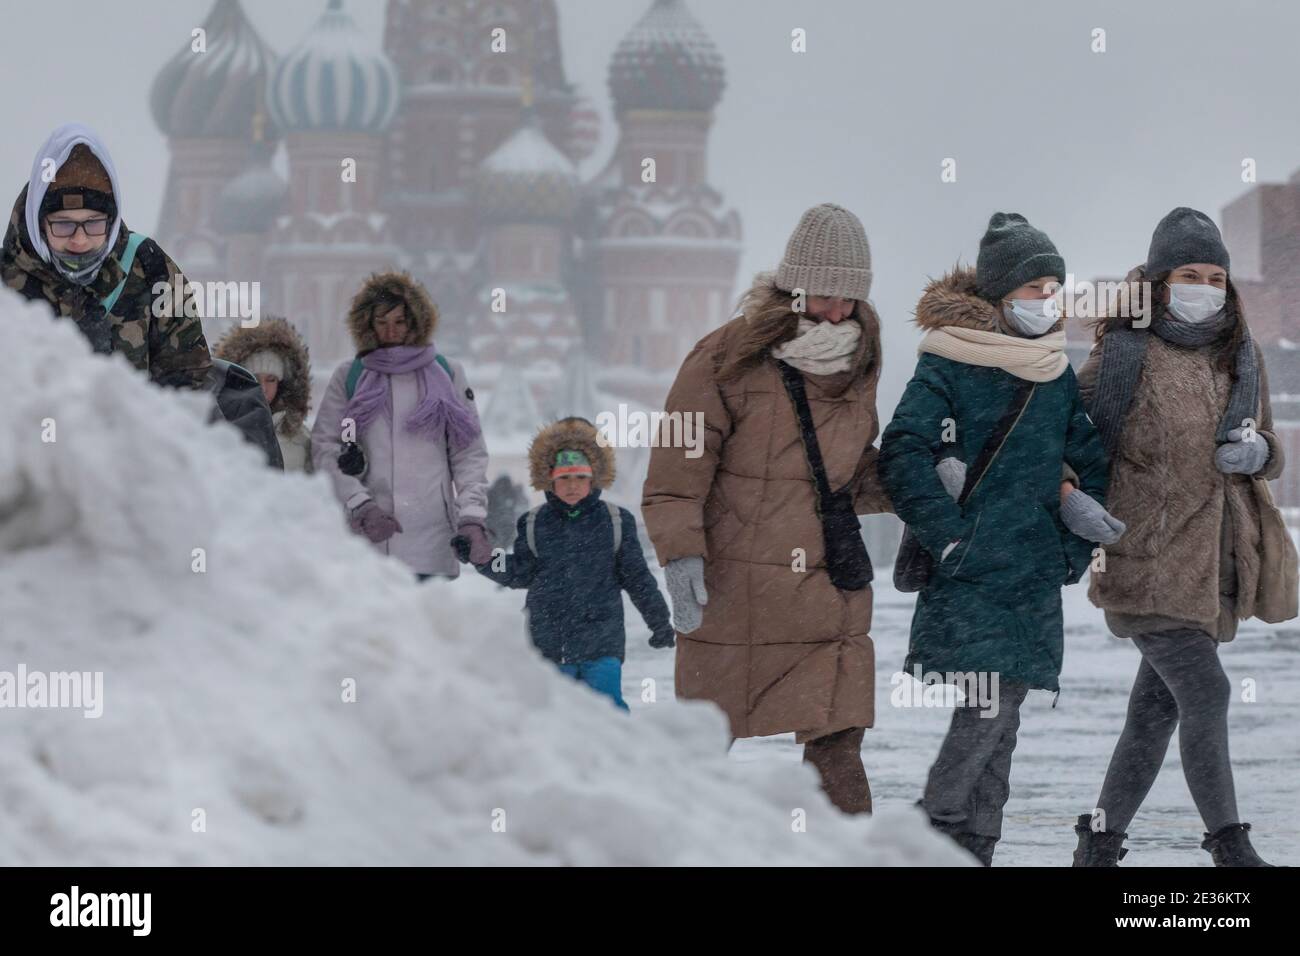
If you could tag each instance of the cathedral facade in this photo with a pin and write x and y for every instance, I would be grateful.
(562, 294)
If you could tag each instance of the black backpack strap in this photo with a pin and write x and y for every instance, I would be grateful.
(1015, 410)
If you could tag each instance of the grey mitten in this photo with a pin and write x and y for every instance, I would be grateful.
(952, 472)
(685, 580)
(1239, 456)
(1089, 520)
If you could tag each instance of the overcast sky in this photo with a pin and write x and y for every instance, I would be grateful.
(1092, 147)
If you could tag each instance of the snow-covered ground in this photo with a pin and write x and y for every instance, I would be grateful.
(223, 689)
(1062, 753)
(230, 612)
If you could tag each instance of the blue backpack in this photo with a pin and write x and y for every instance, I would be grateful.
(133, 241)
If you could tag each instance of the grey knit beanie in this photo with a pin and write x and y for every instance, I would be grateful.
(1184, 236)
(1012, 253)
(827, 255)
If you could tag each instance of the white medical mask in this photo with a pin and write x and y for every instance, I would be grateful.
(1195, 302)
(1031, 317)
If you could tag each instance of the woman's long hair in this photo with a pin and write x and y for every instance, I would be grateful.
(1225, 351)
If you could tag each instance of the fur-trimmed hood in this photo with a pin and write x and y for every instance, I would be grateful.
(421, 313)
(577, 434)
(277, 335)
(953, 301)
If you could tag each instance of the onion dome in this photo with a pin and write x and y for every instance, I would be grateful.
(584, 129)
(217, 92)
(335, 79)
(250, 202)
(526, 178)
(666, 62)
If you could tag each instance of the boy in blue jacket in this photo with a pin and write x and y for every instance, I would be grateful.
(575, 555)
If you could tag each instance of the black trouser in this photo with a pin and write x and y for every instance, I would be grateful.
(1182, 682)
(971, 778)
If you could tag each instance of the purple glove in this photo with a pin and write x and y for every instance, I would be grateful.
(374, 522)
(480, 551)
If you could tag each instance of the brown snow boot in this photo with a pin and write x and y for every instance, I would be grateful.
(1230, 846)
(837, 758)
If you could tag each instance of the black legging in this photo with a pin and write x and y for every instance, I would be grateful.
(1180, 681)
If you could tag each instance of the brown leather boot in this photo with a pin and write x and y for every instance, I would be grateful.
(838, 760)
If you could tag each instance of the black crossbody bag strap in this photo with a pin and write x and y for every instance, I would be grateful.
(807, 431)
(847, 561)
(913, 566)
(1001, 431)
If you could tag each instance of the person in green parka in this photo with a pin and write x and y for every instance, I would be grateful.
(993, 398)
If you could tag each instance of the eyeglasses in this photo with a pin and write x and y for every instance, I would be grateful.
(67, 228)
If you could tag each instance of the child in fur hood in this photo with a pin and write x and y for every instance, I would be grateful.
(275, 352)
(575, 562)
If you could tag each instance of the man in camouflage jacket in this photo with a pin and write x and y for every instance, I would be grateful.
(73, 177)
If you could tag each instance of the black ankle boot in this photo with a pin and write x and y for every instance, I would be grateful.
(1230, 846)
(980, 847)
(1098, 847)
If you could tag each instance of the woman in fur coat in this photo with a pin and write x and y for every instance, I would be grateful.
(1181, 400)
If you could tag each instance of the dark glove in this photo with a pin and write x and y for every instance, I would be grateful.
(352, 460)
(664, 638)
(460, 544)
(480, 551)
(374, 522)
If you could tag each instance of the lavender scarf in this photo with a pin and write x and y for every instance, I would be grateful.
(438, 408)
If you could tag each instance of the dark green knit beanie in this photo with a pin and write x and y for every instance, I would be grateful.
(1012, 253)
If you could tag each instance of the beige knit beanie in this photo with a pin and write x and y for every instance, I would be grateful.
(827, 255)
(266, 362)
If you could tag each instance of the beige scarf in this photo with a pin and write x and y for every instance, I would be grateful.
(821, 348)
(1035, 360)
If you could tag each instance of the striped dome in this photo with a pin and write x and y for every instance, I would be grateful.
(335, 79)
(666, 62)
(215, 93)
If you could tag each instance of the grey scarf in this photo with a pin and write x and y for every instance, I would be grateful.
(1123, 350)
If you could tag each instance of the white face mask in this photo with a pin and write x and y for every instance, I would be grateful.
(1195, 302)
(1031, 317)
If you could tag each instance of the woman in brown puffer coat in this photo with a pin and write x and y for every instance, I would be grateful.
(763, 632)
(1183, 408)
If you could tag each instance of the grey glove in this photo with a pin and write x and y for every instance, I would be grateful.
(685, 580)
(952, 472)
(1240, 457)
(1089, 520)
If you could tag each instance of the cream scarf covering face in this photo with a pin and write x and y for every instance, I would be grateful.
(1035, 360)
(821, 348)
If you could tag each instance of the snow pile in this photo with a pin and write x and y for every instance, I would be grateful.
(225, 736)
